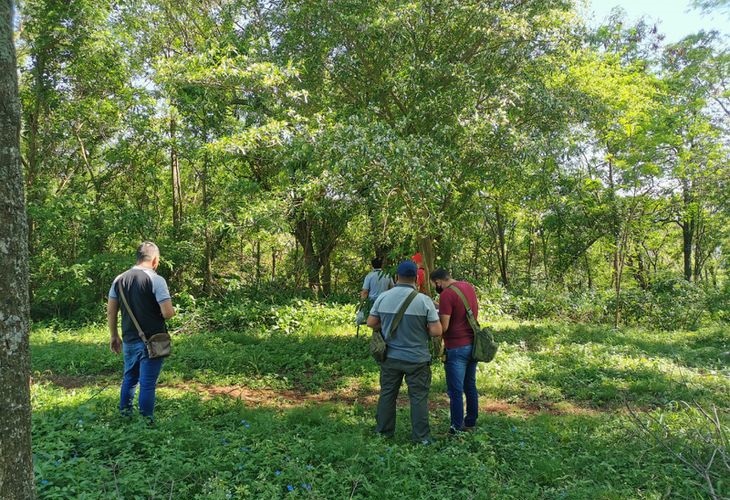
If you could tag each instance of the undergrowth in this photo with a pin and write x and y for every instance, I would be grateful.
(284, 407)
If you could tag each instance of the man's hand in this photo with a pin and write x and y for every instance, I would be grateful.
(115, 344)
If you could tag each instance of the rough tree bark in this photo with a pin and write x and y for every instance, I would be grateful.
(16, 466)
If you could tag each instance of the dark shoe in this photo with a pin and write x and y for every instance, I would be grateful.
(453, 431)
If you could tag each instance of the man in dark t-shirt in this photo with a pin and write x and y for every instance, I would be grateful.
(458, 338)
(149, 299)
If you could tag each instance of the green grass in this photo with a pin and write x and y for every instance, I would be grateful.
(298, 417)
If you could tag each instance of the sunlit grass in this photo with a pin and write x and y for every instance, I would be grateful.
(290, 412)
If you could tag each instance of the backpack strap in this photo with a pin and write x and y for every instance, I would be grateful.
(473, 323)
(401, 312)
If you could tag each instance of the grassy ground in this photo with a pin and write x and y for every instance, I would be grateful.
(288, 411)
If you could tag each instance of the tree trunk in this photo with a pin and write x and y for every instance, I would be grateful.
(688, 229)
(326, 274)
(258, 262)
(502, 246)
(640, 273)
(303, 234)
(32, 131)
(175, 178)
(545, 264)
(530, 257)
(16, 466)
(476, 256)
(273, 264)
(700, 254)
(207, 233)
(617, 255)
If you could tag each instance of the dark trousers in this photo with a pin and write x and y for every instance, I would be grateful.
(418, 379)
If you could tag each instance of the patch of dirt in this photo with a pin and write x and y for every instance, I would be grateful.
(365, 396)
(66, 381)
(286, 399)
(534, 408)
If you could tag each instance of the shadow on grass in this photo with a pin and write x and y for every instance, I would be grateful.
(588, 366)
(309, 364)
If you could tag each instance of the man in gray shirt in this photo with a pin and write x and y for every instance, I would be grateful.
(375, 283)
(408, 355)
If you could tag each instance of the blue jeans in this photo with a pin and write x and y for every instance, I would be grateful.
(461, 379)
(139, 369)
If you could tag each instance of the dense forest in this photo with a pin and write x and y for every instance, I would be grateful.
(577, 172)
(279, 145)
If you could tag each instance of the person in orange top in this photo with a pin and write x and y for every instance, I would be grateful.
(421, 274)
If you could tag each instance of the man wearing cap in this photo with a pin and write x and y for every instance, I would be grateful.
(407, 355)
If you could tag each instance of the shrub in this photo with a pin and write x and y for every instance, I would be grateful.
(718, 303)
(636, 306)
(76, 292)
(677, 304)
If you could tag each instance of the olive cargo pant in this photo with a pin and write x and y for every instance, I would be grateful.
(418, 379)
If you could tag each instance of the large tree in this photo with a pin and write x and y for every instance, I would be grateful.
(407, 85)
(16, 466)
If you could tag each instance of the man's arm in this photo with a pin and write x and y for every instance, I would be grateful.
(363, 294)
(112, 310)
(166, 309)
(434, 329)
(445, 320)
(373, 322)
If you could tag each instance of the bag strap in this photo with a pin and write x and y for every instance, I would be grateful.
(473, 323)
(401, 312)
(129, 311)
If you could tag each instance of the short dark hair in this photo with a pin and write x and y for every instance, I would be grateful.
(377, 263)
(146, 251)
(440, 274)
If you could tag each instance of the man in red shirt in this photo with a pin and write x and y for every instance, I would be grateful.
(458, 338)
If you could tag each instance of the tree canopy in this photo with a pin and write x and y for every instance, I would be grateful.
(289, 142)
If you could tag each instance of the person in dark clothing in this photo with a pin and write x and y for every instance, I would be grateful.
(149, 298)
